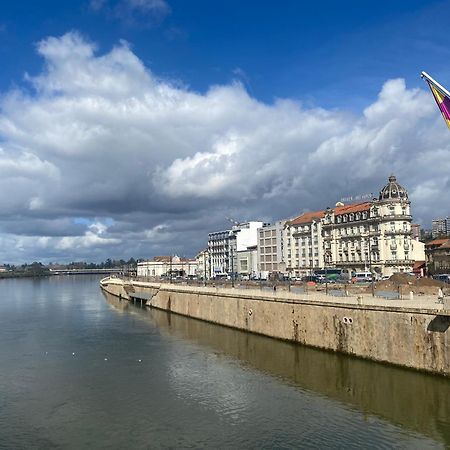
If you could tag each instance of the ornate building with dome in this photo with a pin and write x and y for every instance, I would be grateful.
(371, 236)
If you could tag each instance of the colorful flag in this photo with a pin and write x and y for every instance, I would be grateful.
(441, 95)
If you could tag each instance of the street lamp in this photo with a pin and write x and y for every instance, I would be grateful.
(230, 240)
(205, 254)
(370, 266)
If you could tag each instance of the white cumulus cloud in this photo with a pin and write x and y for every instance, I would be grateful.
(153, 167)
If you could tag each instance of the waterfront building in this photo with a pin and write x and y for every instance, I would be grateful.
(303, 244)
(439, 227)
(167, 266)
(374, 236)
(247, 263)
(368, 236)
(270, 248)
(438, 256)
(203, 264)
(224, 245)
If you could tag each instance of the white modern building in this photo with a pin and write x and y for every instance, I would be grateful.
(224, 245)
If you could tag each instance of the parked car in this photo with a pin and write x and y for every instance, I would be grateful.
(361, 277)
(445, 277)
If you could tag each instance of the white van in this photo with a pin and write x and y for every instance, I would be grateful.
(359, 277)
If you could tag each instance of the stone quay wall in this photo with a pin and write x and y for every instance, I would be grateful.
(417, 338)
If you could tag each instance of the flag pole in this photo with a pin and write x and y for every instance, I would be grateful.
(433, 81)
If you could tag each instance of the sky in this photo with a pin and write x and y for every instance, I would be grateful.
(132, 128)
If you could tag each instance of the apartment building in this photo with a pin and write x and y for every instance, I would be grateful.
(270, 248)
(223, 246)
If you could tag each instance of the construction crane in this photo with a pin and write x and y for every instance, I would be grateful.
(234, 222)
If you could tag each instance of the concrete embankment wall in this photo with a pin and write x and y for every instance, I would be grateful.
(413, 338)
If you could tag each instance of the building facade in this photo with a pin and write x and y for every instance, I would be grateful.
(203, 264)
(224, 245)
(167, 266)
(369, 236)
(303, 244)
(416, 231)
(270, 246)
(439, 227)
(438, 256)
(373, 236)
(247, 263)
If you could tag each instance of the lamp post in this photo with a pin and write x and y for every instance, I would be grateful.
(204, 264)
(230, 240)
(370, 266)
(170, 270)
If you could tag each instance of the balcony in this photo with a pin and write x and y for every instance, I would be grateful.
(401, 262)
(389, 217)
(395, 232)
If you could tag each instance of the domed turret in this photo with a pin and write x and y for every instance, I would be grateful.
(393, 191)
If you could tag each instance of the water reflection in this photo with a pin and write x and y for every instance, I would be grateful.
(413, 400)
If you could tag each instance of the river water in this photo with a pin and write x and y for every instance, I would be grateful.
(79, 369)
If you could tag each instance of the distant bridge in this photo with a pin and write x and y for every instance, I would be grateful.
(87, 271)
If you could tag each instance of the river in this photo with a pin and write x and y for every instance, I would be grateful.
(79, 369)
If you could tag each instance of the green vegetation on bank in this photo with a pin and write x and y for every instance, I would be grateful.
(37, 269)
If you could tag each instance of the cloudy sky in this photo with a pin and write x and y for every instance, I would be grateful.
(134, 127)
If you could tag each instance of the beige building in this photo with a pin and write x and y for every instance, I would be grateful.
(369, 236)
(270, 248)
(374, 236)
(303, 249)
(438, 256)
(167, 266)
(247, 266)
(203, 265)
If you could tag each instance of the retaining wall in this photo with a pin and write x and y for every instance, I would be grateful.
(415, 338)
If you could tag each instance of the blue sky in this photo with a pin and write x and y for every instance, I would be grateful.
(331, 53)
(135, 127)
